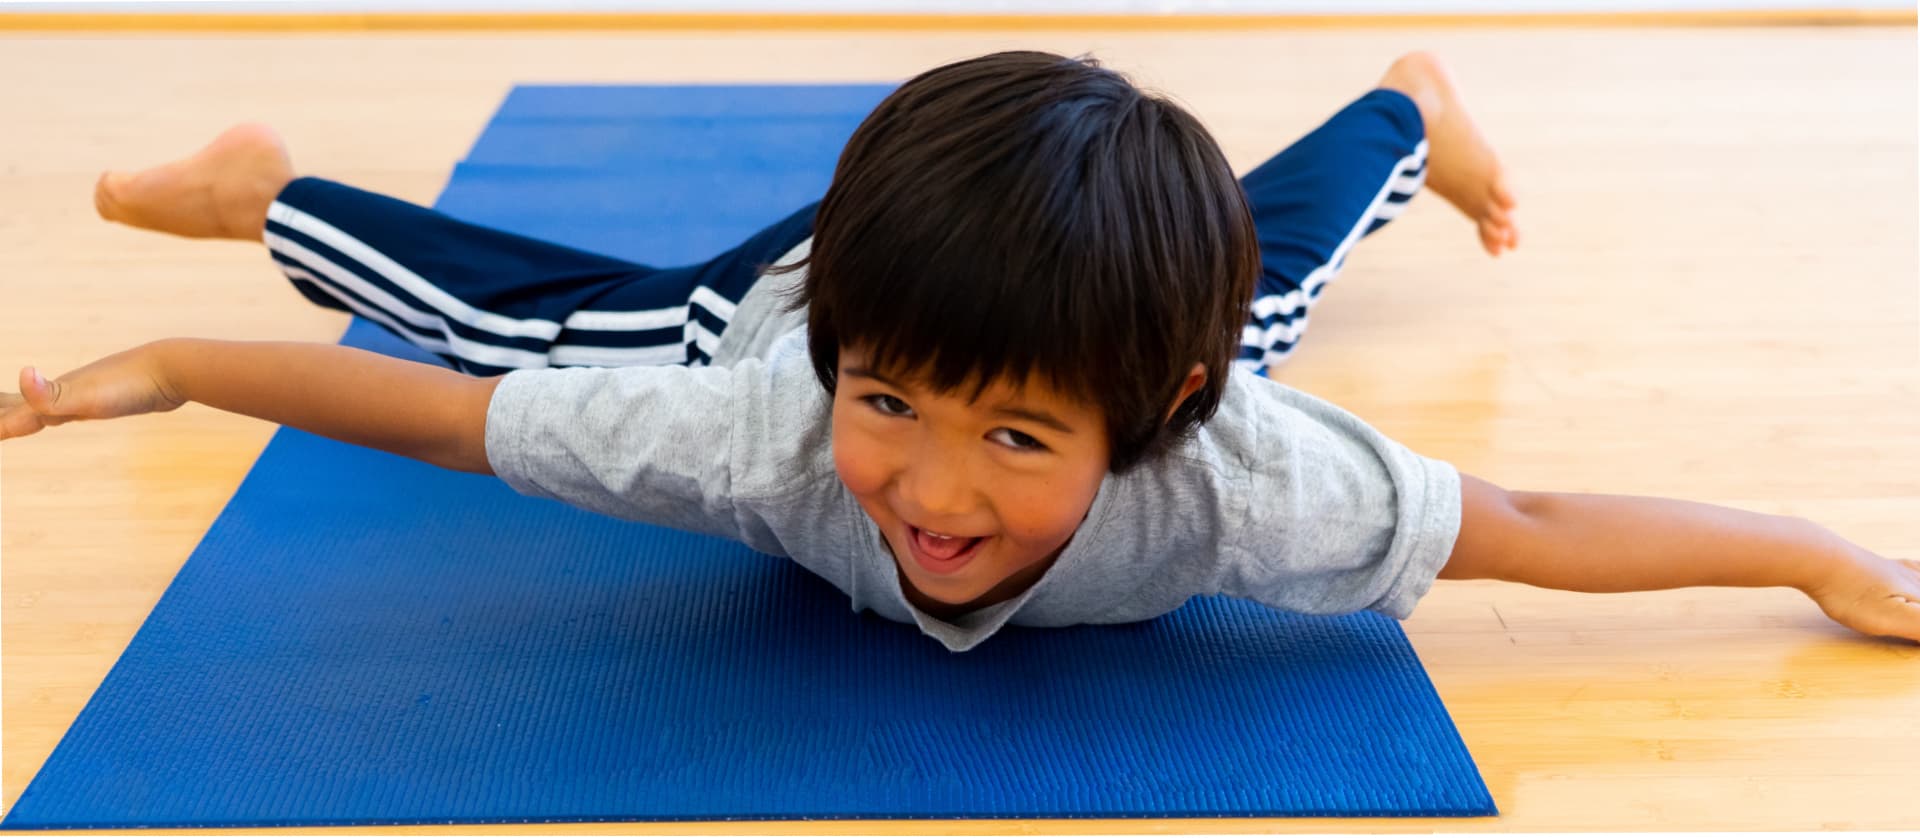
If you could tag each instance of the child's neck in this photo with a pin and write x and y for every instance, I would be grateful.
(1008, 588)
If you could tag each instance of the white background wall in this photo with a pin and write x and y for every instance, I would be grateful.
(949, 6)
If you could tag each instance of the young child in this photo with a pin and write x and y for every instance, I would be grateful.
(1003, 372)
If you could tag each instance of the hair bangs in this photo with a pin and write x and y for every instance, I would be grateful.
(1027, 216)
(966, 306)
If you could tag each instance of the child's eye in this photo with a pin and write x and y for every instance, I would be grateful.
(1015, 439)
(887, 405)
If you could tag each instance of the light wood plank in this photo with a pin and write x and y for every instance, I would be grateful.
(1716, 299)
(760, 22)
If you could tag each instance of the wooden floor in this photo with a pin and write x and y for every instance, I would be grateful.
(1716, 299)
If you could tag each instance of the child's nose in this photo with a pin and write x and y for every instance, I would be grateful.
(938, 490)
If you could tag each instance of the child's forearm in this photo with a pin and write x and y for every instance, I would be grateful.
(415, 410)
(1610, 544)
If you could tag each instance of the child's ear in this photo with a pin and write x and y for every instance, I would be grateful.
(1196, 378)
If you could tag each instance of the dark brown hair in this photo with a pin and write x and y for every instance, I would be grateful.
(1025, 214)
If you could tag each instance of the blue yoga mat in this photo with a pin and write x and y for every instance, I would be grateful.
(361, 639)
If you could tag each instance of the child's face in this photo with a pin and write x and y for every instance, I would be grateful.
(969, 494)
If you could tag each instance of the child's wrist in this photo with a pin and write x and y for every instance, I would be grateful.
(163, 361)
(1827, 556)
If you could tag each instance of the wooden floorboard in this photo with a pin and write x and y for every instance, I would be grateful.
(1716, 299)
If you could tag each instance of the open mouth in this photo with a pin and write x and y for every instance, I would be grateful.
(942, 553)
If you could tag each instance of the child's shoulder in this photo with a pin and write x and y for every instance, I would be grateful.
(1254, 403)
(783, 420)
(1277, 436)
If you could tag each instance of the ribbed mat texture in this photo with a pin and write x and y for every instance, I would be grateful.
(361, 639)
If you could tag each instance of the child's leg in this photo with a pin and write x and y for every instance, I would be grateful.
(1463, 168)
(1314, 201)
(483, 299)
(489, 301)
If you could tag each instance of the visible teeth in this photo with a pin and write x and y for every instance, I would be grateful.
(938, 537)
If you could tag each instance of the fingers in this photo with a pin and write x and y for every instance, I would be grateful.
(1903, 620)
(1893, 616)
(50, 399)
(1906, 579)
(17, 418)
(32, 409)
(38, 392)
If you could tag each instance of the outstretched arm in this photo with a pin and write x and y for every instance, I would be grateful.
(415, 410)
(1609, 543)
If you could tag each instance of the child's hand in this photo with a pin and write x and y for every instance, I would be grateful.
(125, 384)
(1872, 595)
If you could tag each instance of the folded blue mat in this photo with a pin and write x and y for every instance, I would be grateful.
(362, 639)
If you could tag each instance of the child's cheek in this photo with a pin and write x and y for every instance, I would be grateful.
(1045, 515)
(860, 462)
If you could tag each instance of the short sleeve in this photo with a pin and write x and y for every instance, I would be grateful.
(648, 444)
(1340, 518)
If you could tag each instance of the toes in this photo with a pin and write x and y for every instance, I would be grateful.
(1491, 238)
(1498, 236)
(1502, 195)
(1498, 216)
(1499, 225)
(103, 201)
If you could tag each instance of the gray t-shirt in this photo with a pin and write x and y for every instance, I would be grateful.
(1280, 498)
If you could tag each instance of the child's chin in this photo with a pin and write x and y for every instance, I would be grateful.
(946, 590)
(943, 589)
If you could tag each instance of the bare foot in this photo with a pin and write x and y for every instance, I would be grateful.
(1461, 164)
(222, 191)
